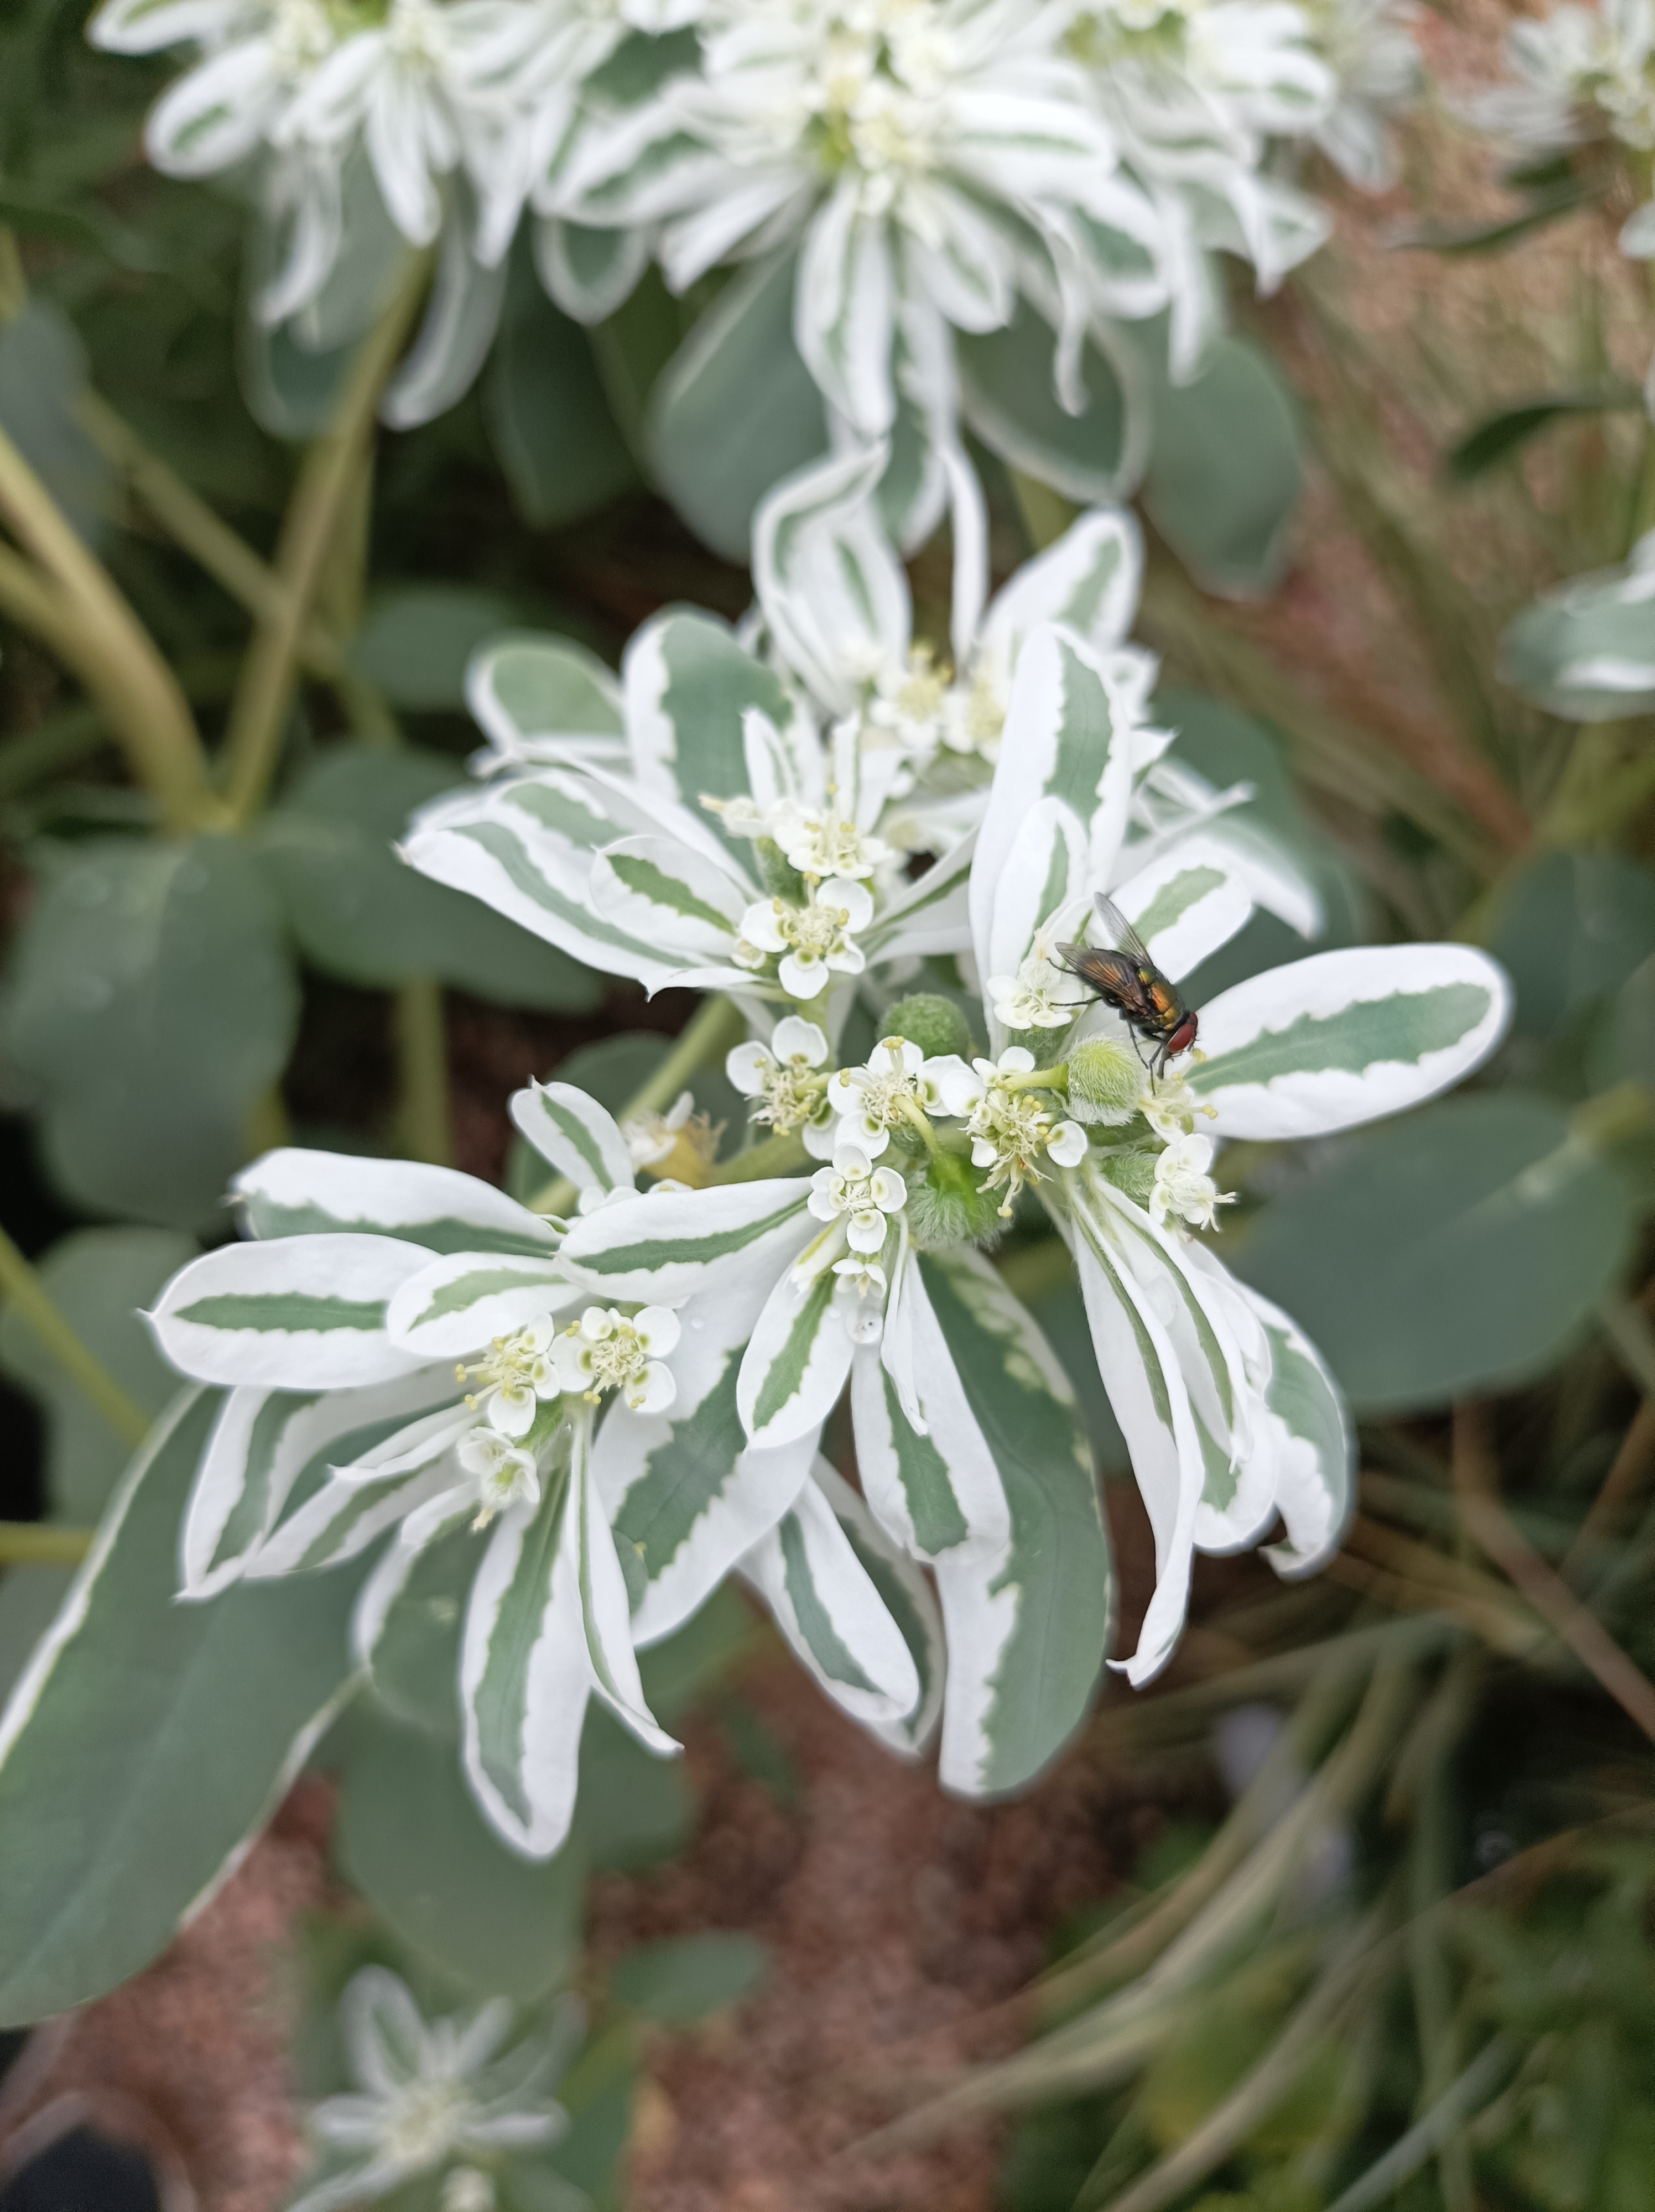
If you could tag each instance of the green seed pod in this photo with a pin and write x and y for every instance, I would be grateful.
(1105, 1080)
(934, 1024)
(1131, 1172)
(780, 878)
(947, 1205)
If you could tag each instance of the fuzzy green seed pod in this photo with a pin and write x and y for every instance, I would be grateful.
(947, 1205)
(934, 1024)
(1105, 1081)
(780, 878)
(1130, 1170)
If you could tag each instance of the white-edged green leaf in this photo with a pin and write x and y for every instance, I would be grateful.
(797, 1363)
(293, 1192)
(261, 1443)
(1088, 582)
(366, 1479)
(1027, 1626)
(1044, 871)
(667, 896)
(834, 596)
(147, 1741)
(930, 915)
(1313, 1445)
(298, 1313)
(545, 698)
(1140, 1369)
(1343, 1037)
(525, 1680)
(604, 1611)
(460, 1302)
(674, 1243)
(1007, 395)
(1185, 903)
(926, 1470)
(829, 1609)
(684, 1495)
(1587, 650)
(1069, 739)
(688, 683)
(405, 1630)
(574, 1134)
(908, 1599)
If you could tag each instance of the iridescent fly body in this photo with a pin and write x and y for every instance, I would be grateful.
(1124, 976)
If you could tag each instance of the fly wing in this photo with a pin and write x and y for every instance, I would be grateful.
(1120, 933)
(1110, 973)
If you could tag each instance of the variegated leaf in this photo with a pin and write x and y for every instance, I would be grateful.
(689, 684)
(292, 1193)
(576, 1135)
(1088, 582)
(834, 593)
(297, 1313)
(1027, 1625)
(830, 1610)
(907, 1597)
(673, 1244)
(797, 1364)
(1344, 1037)
(1314, 1446)
(545, 698)
(661, 891)
(1185, 903)
(461, 1303)
(605, 1612)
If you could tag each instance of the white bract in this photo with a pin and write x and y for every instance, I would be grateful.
(439, 2097)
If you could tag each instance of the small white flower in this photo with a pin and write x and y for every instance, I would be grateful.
(896, 1086)
(608, 1350)
(860, 1295)
(1042, 995)
(516, 1374)
(853, 1188)
(822, 843)
(1184, 1190)
(1170, 1107)
(1008, 1126)
(1066, 1146)
(505, 1475)
(813, 941)
(785, 1077)
(431, 2094)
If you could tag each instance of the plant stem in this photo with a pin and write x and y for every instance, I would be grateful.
(41, 1544)
(424, 1122)
(28, 1295)
(1477, 1484)
(75, 734)
(69, 600)
(259, 712)
(715, 1025)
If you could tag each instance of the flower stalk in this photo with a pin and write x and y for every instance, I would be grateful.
(31, 1299)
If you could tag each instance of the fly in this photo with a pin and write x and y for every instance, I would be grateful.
(1125, 977)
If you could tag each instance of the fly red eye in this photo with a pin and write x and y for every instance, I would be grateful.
(1182, 1037)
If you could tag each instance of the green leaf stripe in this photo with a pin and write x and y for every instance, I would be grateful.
(681, 1479)
(461, 1295)
(815, 1622)
(501, 1702)
(1175, 898)
(687, 1251)
(574, 1129)
(928, 1486)
(245, 1521)
(786, 1372)
(1405, 1027)
(441, 1235)
(1085, 735)
(647, 881)
(284, 1312)
(509, 855)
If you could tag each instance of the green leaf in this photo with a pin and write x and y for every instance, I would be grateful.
(1052, 1596)
(1498, 436)
(1459, 1249)
(548, 419)
(1545, 206)
(411, 1837)
(360, 913)
(1586, 650)
(634, 1809)
(1569, 929)
(735, 410)
(1226, 470)
(149, 1740)
(152, 1004)
(291, 392)
(416, 640)
(100, 1280)
(612, 1070)
(688, 1977)
(42, 377)
(1007, 395)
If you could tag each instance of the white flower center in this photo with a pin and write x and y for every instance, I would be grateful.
(300, 38)
(608, 1349)
(825, 844)
(416, 34)
(424, 2121)
(1184, 1190)
(514, 1374)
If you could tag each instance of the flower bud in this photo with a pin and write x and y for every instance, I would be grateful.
(934, 1024)
(949, 1205)
(779, 876)
(1105, 1080)
(1131, 1172)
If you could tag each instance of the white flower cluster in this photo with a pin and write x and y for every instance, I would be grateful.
(611, 1406)
(1582, 75)
(933, 161)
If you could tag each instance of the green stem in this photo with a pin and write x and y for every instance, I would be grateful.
(424, 1122)
(259, 713)
(29, 1297)
(39, 1544)
(715, 1025)
(64, 593)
